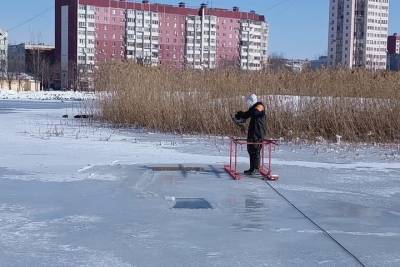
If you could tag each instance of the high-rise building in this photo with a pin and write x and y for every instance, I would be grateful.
(89, 32)
(393, 45)
(358, 31)
(393, 52)
(3, 52)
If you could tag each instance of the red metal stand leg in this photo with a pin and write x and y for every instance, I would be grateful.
(263, 170)
(262, 156)
(236, 172)
(230, 154)
(232, 167)
(266, 171)
(270, 160)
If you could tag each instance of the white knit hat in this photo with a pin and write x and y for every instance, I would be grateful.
(251, 100)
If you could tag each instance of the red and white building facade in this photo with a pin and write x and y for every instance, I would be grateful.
(89, 32)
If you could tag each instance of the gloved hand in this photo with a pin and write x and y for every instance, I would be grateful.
(239, 115)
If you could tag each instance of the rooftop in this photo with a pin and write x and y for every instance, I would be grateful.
(181, 8)
(31, 46)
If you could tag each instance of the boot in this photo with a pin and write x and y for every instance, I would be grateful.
(250, 172)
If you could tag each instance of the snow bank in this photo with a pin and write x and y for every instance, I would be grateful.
(46, 95)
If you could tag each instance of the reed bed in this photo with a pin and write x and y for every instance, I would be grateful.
(358, 105)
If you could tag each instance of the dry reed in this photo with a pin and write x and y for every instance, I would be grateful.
(359, 105)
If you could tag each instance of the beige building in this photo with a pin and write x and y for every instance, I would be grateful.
(19, 82)
(358, 31)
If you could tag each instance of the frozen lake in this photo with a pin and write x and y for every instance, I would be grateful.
(74, 194)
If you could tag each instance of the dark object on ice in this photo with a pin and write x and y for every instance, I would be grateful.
(178, 168)
(257, 129)
(174, 168)
(186, 169)
(65, 116)
(83, 116)
(192, 203)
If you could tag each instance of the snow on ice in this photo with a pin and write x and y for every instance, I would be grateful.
(46, 95)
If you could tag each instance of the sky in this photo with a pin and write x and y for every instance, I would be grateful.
(298, 28)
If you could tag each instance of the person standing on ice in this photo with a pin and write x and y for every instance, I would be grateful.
(256, 132)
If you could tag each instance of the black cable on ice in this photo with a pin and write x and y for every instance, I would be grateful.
(316, 225)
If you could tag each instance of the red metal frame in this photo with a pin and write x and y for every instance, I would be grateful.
(265, 170)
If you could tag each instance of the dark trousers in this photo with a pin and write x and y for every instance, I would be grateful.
(254, 153)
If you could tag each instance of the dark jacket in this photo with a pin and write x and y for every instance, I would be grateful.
(258, 122)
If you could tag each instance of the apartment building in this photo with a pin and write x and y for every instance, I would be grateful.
(358, 31)
(89, 32)
(142, 37)
(201, 41)
(393, 45)
(254, 44)
(3, 52)
(393, 52)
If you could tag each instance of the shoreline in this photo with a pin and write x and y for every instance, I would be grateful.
(46, 95)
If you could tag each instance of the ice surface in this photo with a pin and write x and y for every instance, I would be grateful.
(73, 194)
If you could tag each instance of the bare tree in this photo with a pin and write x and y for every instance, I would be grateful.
(35, 59)
(10, 78)
(19, 79)
(3, 73)
(44, 73)
(47, 73)
(73, 76)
